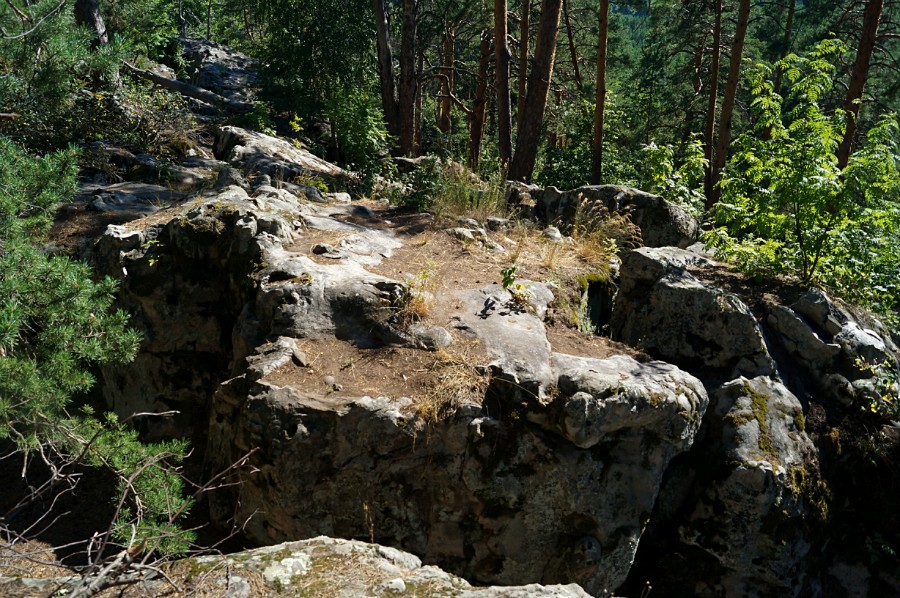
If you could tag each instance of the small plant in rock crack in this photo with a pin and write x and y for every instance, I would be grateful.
(519, 293)
(413, 296)
(884, 399)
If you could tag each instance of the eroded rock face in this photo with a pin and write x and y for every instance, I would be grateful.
(662, 223)
(213, 282)
(503, 494)
(670, 313)
(183, 280)
(748, 492)
(751, 520)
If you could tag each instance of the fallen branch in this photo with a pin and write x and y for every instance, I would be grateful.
(189, 90)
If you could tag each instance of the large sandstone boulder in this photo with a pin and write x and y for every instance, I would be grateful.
(750, 492)
(503, 493)
(661, 222)
(220, 69)
(674, 315)
(259, 154)
(751, 519)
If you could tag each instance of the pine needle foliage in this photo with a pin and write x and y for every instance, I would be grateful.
(56, 325)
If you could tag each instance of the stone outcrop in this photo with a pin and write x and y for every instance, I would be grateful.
(745, 493)
(257, 154)
(750, 520)
(541, 493)
(553, 474)
(550, 479)
(219, 69)
(670, 313)
(661, 222)
(315, 567)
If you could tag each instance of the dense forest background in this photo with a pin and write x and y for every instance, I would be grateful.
(772, 121)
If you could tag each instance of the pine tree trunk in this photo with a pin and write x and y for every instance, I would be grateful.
(501, 51)
(600, 106)
(479, 108)
(386, 70)
(87, 14)
(420, 93)
(524, 34)
(522, 164)
(409, 84)
(447, 63)
(871, 19)
(572, 50)
(734, 74)
(709, 130)
(785, 44)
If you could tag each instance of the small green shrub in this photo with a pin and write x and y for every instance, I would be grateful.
(258, 119)
(359, 128)
(885, 401)
(423, 182)
(682, 185)
(451, 190)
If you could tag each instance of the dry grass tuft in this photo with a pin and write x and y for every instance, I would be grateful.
(462, 194)
(414, 302)
(594, 229)
(455, 382)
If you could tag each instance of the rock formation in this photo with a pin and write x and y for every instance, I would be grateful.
(552, 474)
(315, 567)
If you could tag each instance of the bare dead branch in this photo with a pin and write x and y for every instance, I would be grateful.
(52, 12)
(186, 89)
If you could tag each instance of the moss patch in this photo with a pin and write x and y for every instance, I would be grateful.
(759, 403)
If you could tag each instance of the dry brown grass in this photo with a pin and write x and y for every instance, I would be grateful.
(30, 559)
(456, 381)
(414, 302)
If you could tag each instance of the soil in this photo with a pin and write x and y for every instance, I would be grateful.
(437, 265)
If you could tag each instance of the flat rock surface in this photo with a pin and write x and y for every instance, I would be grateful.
(316, 567)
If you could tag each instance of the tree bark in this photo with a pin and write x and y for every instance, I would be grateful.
(572, 50)
(446, 101)
(420, 93)
(734, 73)
(479, 108)
(386, 70)
(87, 14)
(522, 164)
(409, 84)
(501, 52)
(853, 104)
(524, 34)
(709, 130)
(600, 106)
(785, 44)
